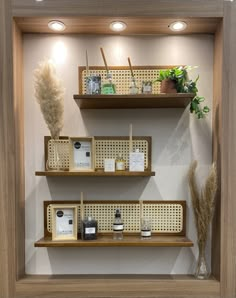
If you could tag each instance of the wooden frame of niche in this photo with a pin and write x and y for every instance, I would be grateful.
(13, 281)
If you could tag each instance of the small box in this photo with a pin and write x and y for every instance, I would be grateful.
(109, 165)
(136, 161)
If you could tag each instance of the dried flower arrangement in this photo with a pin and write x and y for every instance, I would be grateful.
(203, 208)
(50, 96)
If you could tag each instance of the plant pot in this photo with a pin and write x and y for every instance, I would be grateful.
(168, 86)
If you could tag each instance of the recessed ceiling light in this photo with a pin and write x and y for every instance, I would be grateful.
(177, 26)
(39, 0)
(56, 25)
(118, 26)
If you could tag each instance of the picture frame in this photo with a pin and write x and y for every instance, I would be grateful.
(82, 154)
(64, 222)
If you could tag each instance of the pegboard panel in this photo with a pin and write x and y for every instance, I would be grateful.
(58, 155)
(104, 214)
(167, 217)
(121, 77)
(110, 148)
(105, 147)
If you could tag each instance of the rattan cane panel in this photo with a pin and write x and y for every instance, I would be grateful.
(58, 154)
(104, 214)
(111, 148)
(122, 79)
(166, 218)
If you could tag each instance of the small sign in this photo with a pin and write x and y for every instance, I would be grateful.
(109, 165)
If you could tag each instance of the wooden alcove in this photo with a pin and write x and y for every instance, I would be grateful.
(212, 16)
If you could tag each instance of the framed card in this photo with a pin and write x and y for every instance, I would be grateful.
(82, 154)
(64, 222)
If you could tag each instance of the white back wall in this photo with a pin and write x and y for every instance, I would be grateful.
(178, 138)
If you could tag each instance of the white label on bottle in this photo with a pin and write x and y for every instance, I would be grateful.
(90, 230)
(120, 165)
(145, 233)
(118, 227)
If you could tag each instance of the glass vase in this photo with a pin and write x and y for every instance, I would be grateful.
(202, 270)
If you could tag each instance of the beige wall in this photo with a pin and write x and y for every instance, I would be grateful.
(177, 139)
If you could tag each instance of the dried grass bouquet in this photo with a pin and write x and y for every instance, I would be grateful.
(203, 207)
(50, 96)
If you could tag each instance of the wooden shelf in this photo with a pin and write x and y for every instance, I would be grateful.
(107, 241)
(178, 100)
(95, 174)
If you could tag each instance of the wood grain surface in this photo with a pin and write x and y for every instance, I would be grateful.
(129, 287)
(228, 201)
(150, 286)
(144, 101)
(7, 157)
(167, 8)
(100, 25)
(19, 153)
(217, 147)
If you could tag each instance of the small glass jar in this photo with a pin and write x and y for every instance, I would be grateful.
(120, 163)
(108, 87)
(133, 89)
(89, 228)
(147, 87)
(146, 228)
(93, 84)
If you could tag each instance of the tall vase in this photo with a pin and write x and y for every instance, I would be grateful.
(202, 270)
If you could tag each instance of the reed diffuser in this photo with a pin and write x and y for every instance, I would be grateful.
(108, 87)
(133, 89)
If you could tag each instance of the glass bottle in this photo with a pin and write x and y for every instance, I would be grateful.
(120, 163)
(89, 228)
(146, 228)
(147, 87)
(133, 89)
(108, 87)
(118, 226)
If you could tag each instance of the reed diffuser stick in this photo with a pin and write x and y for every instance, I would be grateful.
(130, 138)
(82, 206)
(132, 72)
(131, 68)
(104, 59)
(81, 214)
(87, 66)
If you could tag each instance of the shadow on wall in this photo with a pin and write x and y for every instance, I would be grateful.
(99, 188)
(114, 260)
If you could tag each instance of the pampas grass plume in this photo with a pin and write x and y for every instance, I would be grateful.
(203, 202)
(50, 96)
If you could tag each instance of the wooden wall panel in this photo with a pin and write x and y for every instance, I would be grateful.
(228, 209)
(117, 287)
(176, 8)
(19, 154)
(217, 144)
(7, 157)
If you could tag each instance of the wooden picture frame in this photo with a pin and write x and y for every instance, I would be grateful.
(64, 222)
(82, 154)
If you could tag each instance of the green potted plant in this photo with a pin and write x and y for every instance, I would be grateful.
(176, 80)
